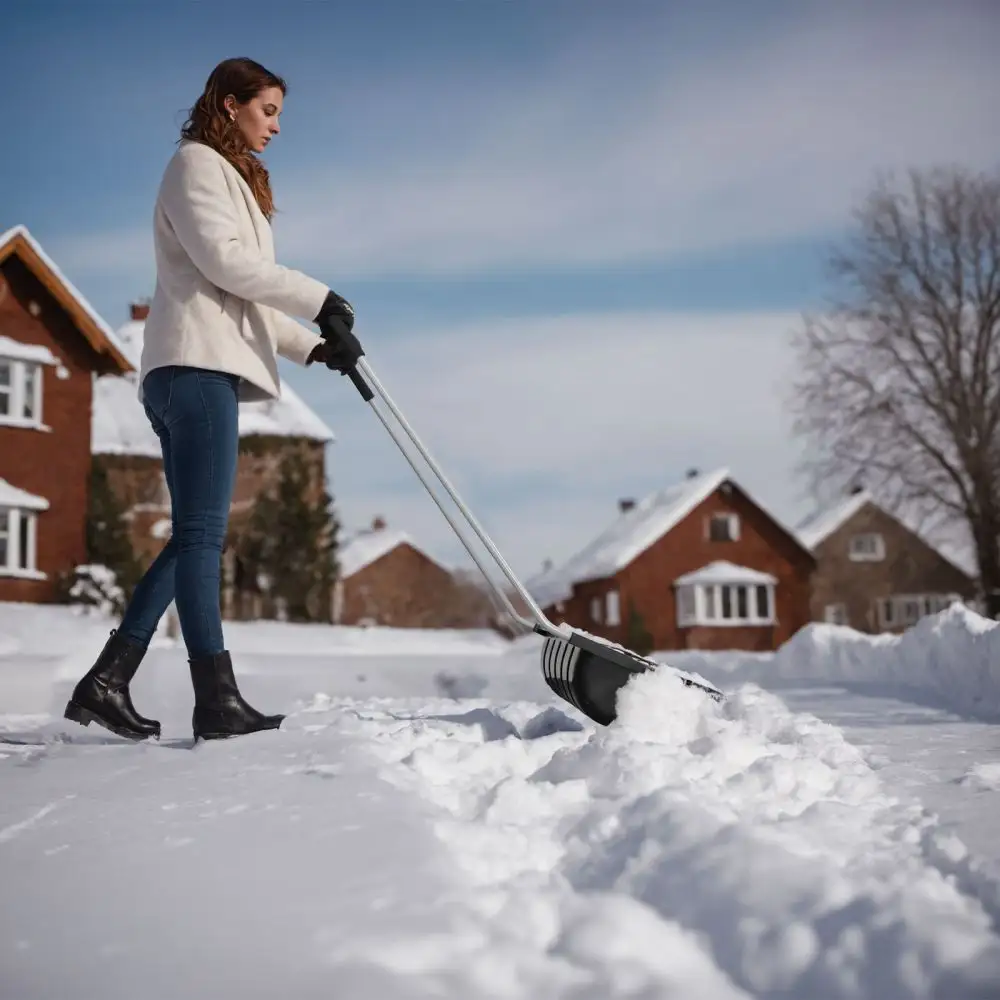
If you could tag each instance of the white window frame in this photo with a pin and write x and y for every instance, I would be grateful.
(905, 610)
(711, 599)
(857, 551)
(19, 369)
(733, 522)
(612, 608)
(16, 522)
(595, 610)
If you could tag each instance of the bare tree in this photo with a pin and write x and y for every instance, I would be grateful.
(899, 383)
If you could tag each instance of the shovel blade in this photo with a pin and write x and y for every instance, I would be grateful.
(588, 672)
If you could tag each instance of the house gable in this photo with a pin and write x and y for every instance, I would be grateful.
(19, 244)
(869, 557)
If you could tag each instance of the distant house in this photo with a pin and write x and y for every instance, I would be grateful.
(387, 579)
(52, 344)
(124, 444)
(873, 572)
(699, 565)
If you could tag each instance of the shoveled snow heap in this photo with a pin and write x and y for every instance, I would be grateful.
(951, 660)
(692, 850)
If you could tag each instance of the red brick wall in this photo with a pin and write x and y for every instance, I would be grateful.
(648, 582)
(53, 464)
(405, 589)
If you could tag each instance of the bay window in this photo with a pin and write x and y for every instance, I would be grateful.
(19, 531)
(722, 594)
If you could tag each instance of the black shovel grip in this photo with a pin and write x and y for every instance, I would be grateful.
(361, 385)
(356, 377)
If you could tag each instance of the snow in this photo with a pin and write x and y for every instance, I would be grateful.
(120, 426)
(722, 571)
(22, 231)
(432, 821)
(816, 528)
(17, 351)
(14, 496)
(951, 660)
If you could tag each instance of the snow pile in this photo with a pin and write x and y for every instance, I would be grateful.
(983, 777)
(691, 849)
(951, 659)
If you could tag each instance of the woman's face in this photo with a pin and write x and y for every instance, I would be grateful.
(258, 118)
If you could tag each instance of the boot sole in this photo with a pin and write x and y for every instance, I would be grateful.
(84, 716)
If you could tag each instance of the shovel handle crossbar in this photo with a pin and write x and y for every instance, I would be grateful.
(361, 376)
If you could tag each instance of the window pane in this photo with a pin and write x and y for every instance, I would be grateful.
(742, 609)
(24, 561)
(727, 602)
(5, 373)
(710, 612)
(763, 611)
(5, 369)
(28, 404)
(4, 526)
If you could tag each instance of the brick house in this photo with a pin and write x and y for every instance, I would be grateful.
(387, 579)
(701, 564)
(124, 444)
(874, 573)
(52, 344)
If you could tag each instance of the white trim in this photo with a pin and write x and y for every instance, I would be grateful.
(710, 599)
(17, 350)
(15, 392)
(612, 608)
(861, 554)
(835, 614)
(903, 617)
(11, 521)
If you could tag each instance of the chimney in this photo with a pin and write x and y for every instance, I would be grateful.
(693, 473)
(626, 504)
(378, 522)
(138, 310)
(856, 489)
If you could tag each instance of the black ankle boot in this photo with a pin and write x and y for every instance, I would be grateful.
(219, 708)
(102, 695)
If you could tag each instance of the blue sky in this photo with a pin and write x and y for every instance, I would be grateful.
(577, 234)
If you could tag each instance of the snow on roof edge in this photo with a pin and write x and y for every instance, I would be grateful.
(22, 230)
(14, 496)
(819, 525)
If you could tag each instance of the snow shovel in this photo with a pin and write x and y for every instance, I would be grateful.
(583, 669)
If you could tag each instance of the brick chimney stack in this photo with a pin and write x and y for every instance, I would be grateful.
(625, 505)
(378, 523)
(138, 310)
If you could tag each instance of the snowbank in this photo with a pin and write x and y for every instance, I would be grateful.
(691, 850)
(951, 660)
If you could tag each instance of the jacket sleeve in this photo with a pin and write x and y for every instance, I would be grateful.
(197, 203)
(294, 341)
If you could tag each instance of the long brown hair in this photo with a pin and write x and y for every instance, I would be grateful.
(208, 121)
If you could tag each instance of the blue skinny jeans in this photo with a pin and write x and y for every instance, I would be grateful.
(195, 413)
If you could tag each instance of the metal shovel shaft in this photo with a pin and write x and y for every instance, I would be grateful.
(541, 623)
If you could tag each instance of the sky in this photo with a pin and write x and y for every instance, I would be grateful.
(578, 236)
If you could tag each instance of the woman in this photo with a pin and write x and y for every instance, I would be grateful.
(221, 311)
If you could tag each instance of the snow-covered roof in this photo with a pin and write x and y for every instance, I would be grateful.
(17, 351)
(368, 546)
(74, 293)
(120, 426)
(628, 536)
(12, 496)
(818, 526)
(722, 571)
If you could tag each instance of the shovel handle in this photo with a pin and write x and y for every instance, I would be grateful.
(361, 385)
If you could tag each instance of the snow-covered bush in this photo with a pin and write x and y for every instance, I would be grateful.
(95, 587)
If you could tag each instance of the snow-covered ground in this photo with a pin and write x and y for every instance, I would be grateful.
(431, 821)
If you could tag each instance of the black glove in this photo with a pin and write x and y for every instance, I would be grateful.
(340, 349)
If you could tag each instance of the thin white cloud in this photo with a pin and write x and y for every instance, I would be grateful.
(628, 149)
(543, 423)
(770, 142)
